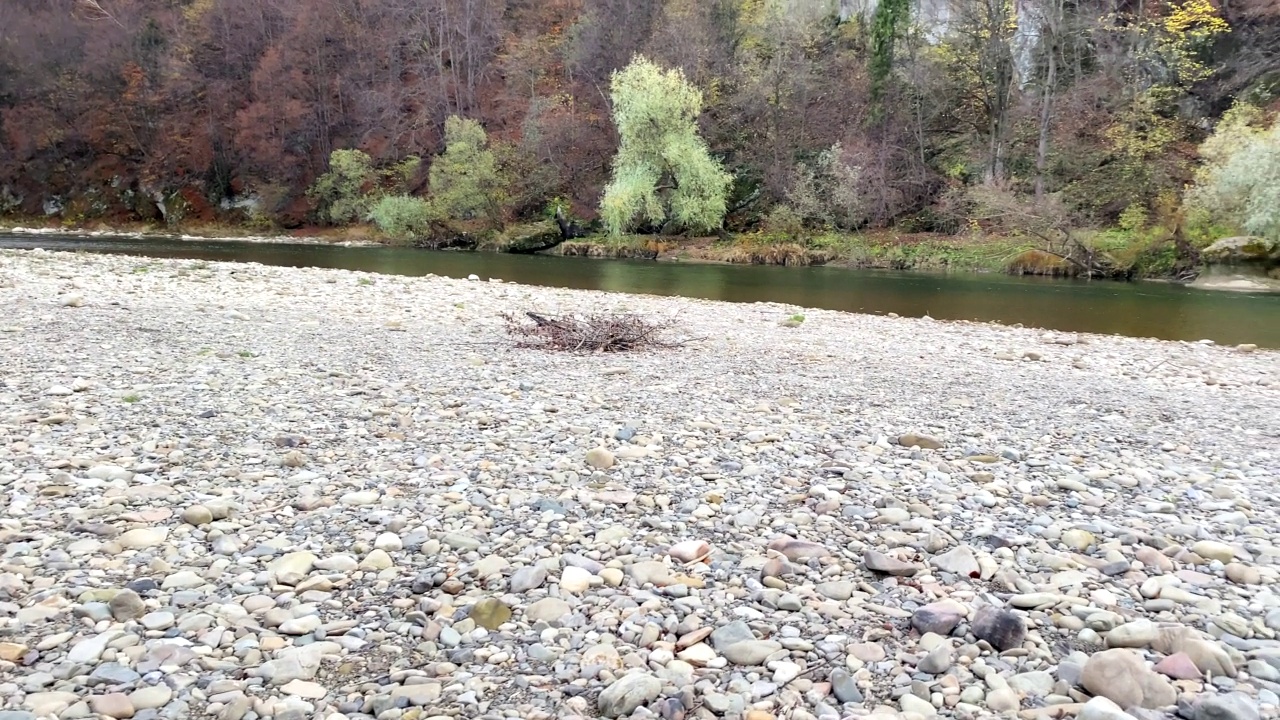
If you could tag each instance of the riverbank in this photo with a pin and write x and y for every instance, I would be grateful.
(881, 250)
(313, 492)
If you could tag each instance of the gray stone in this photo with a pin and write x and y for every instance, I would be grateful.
(937, 661)
(959, 561)
(1003, 629)
(127, 605)
(734, 632)
(1229, 706)
(627, 693)
(528, 578)
(939, 617)
(750, 652)
(845, 686)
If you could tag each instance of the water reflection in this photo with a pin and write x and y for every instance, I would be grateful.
(1166, 311)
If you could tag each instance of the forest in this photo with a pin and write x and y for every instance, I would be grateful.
(1107, 136)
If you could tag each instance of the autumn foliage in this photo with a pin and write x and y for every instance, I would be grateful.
(173, 110)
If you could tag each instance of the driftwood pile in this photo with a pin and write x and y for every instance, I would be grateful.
(617, 332)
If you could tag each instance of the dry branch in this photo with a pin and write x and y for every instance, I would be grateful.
(591, 333)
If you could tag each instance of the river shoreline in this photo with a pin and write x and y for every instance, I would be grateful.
(888, 251)
(327, 493)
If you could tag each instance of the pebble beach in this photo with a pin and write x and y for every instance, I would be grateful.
(234, 491)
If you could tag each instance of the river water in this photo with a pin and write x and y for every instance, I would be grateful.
(1139, 309)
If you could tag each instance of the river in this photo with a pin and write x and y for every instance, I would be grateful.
(1139, 309)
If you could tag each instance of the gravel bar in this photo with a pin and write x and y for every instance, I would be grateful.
(233, 491)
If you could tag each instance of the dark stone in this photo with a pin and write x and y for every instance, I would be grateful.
(142, 585)
(1003, 629)
(939, 617)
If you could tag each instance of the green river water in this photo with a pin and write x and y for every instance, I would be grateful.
(1140, 309)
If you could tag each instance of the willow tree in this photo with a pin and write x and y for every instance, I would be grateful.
(663, 172)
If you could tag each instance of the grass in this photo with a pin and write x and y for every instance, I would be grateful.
(884, 250)
(617, 246)
(246, 354)
(131, 398)
(364, 281)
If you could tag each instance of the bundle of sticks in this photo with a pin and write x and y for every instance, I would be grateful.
(590, 333)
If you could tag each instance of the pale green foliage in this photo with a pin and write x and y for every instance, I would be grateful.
(663, 170)
(1240, 181)
(340, 192)
(353, 185)
(465, 183)
(824, 193)
(403, 216)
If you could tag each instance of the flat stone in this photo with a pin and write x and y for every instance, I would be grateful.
(959, 561)
(879, 562)
(291, 568)
(730, 633)
(113, 705)
(1121, 675)
(1227, 706)
(182, 580)
(549, 610)
(1101, 708)
(750, 652)
(304, 689)
(1213, 550)
(151, 697)
(489, 613)
(142, 538)
(627, 693)
(920, 440)
(529, 577)
(798, 550)
(1136, 634)
(651, 572)
(939, 617)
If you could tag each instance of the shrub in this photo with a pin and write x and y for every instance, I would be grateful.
(465, 183)
(1240, 181)
(824, 192)
(403, 217)
(663, 170)
(353, 185)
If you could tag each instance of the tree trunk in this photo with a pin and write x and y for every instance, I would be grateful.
(1046, 117)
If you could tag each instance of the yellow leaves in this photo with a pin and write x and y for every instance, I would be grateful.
(196, 11)
(1196, 18)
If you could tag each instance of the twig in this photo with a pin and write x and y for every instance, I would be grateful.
(592, 333)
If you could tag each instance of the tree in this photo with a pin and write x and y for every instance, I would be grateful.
(663, 171)
(465, 183)
(353, 185)
(1240, 182)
